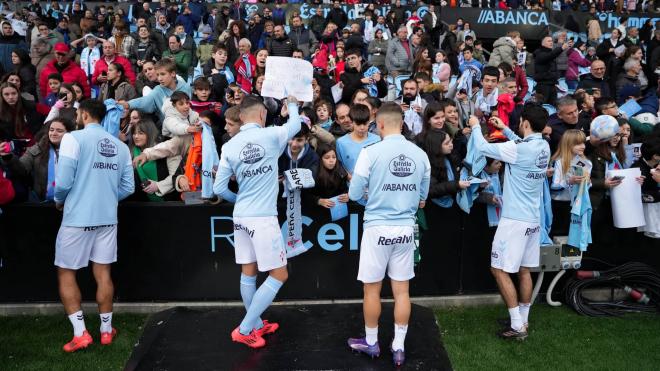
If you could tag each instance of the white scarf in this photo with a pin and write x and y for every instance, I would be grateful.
(294, 181)
(485, 103)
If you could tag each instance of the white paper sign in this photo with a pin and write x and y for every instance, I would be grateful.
(336, 90)
(627, 199)
(288, 76)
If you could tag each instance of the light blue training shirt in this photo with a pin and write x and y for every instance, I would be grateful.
(252, 157)
(397, 174)
(94, 173)
(525, 172)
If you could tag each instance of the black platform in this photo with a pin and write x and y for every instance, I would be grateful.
(310, 338)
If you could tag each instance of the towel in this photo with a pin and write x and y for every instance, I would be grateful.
(493, 212)
(371, 87)
(579, 233)
(546, 215)
(446, 201)
(210, 160)
(112, 119)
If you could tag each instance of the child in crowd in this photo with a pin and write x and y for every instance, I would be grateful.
(54, 83)
(323, 110)
(206, 45)
(299, 154)
(201, 99)
(570, 152)
(179, 118)
(219, 72)
(331, 179)
(350, 145)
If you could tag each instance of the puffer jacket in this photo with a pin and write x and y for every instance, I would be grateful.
(304, 39)
(124, 91)
(504, 50)
(176, 124)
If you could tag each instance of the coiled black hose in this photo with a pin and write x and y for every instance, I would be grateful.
(639, 280)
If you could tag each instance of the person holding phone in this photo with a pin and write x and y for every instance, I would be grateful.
(39, 162)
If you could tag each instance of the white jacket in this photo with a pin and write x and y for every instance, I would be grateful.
(175, 123)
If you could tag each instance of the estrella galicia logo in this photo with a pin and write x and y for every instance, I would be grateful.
(252, 153)
(513, 17)
(402, 166)
(106, 148)
(542, 159)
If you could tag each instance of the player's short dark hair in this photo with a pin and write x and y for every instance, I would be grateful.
(94, 108)
(359, 113)
(250, 102)
(536, 115)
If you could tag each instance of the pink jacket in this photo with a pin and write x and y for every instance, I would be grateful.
(575, 60)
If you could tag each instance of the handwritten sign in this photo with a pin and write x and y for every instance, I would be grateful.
(288, 76)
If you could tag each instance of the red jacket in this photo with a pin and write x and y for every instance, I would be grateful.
(521, 82)
(71, 73)
(102, 66)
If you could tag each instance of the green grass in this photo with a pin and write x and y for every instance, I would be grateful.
(35, 343)
(559, 339)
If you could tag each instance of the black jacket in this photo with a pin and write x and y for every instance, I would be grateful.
(590, 82)
(280, 47)
(219, 82)
(338, 17)
(545, 65)
(351, 79)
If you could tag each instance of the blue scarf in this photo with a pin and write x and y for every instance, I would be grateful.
(474, 163)
(210, 160)
(229, 75)
(52, 168)
(579, 233)
(373, 90)
(112, 118)
(248, 66)
(446, 201)
(494, 212)
(546, 215)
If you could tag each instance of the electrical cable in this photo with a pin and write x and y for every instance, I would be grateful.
(640, 281)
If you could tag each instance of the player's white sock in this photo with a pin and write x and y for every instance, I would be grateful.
(106, 322)
(372, 335)
(399, 336)
(524, 311)
(516, 321)
(78, 321)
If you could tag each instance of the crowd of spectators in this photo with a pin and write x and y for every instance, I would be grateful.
(173, 66)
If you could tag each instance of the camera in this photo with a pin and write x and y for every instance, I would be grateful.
(62, 96)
